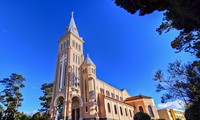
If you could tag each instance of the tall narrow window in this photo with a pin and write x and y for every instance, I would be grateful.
(115, 109)
(73, 57)
(64, 77)
(121, 110)
(60, 70)
(86, 109)
(73, 43)
(126, 112)
(109, 107)
(150, 111)
(85, 91)
(79, 47)
(130, 113)
(141, 109)
(134, 110)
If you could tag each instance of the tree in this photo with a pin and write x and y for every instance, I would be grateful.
(142, 116)
(11, 97)
(193, 112)
(183, 82)
(179, 15)
(36, 116)
(46, 100)
(22, 116)
(1, 112)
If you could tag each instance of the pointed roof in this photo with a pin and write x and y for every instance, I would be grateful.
(72, 26)
(88, 61)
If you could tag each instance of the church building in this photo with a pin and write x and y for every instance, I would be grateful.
(78, 94)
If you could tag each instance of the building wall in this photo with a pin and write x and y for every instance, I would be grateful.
(118, 115)
(165, 114)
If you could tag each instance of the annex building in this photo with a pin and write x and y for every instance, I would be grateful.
(78, 94)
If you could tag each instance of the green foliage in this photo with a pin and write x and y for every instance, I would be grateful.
(142, 116)
(11, 97)
(46, 100)
(36, 116)
(193, 112)
(183, 82)
(22, 116)
(1, 112)
(183, 16)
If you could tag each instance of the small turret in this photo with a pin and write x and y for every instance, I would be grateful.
(88, 67)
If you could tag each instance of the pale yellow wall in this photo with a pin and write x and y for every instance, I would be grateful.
(177, 114)
(165, 114)
(118, 104)
(111, 89)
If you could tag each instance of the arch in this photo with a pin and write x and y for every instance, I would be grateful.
(141, 109)
(79, 99)
(58, 96)
(150, 111)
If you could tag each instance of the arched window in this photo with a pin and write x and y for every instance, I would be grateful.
(126, 112)
(109, 107)
(121, 110)
(134, 110)
(141, 109)
(130, 113)
(115, 109)
(150, 111)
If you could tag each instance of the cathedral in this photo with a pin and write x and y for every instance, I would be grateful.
(78, 94)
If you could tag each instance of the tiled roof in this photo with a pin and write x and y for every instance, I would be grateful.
(137, 97)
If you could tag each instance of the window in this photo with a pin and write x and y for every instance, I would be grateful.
(79, 47)
(86, 109)
(121, 98)
(150, 111)
(109, 107)
(113, 95)
(78, 60)
(107, 93)
(76, 45)
(115, 109)
(134, 110)
(61, 46)
(130, 113)
(141, 109)
(121, 110)
(102, 90)
(73, 57)
(126, 112)
(73, 44)
(85, 91)
(117, 97)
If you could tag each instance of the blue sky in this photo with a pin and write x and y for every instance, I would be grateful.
(125, 48)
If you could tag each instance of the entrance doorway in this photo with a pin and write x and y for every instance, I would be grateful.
(75, 109)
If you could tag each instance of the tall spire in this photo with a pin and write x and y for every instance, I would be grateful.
(72, 26)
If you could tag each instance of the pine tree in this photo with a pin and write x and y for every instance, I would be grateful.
(11, 97)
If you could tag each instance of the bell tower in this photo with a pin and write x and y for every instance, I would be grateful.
(67, 83)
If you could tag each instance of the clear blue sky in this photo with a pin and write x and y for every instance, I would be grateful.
(125, 48)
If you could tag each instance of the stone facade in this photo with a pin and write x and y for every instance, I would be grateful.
(79, 94)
